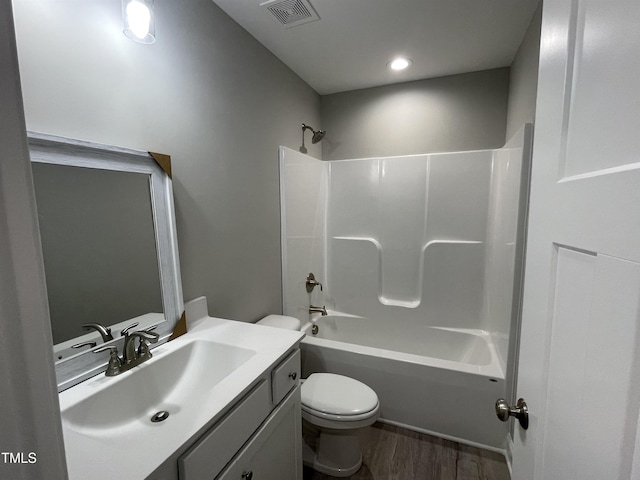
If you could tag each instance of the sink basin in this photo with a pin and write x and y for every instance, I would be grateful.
(196, 379)
(175, 380)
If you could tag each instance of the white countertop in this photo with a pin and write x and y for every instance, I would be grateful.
(135, 451)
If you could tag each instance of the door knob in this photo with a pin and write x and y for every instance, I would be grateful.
(520, 411)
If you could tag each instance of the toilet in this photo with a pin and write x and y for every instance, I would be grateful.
(333, 407)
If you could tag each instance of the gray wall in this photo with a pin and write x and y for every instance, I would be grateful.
(30, 419)
(454, 113)
(208, 94)
(523, 84)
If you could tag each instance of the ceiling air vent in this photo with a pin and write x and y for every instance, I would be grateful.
(291, 13)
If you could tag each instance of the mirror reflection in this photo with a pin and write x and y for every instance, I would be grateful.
(99, 250)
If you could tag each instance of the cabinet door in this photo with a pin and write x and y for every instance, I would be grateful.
(209, 455)
(275, 451)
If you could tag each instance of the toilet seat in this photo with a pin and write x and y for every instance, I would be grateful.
(339, 402)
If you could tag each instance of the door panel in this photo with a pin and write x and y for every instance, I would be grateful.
(581, 303)
(591, 393)
(602, 112)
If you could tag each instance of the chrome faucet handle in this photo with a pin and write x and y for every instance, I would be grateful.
(84, 344)
(114, 366)
(312, 283)
(105, 332)
(151, 337)
(125, 332)
(143, 346)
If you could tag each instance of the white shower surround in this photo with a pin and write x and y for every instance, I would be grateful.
(409, 243)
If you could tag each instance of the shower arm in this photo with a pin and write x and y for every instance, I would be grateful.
(317, 136)
(303, 149)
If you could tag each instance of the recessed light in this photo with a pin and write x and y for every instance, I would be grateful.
(139, 24)
(400, 63)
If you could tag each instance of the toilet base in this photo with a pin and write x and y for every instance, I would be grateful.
(336, 453)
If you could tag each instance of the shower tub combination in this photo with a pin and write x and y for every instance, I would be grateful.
(417, 256)
(436, 380)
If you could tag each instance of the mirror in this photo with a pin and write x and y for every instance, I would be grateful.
(109, 244)
(98, 242)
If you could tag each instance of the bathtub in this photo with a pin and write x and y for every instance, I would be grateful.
(440, 381)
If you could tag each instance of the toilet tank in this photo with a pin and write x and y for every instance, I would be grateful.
(280, 321)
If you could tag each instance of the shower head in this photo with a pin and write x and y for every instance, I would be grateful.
(317, 134)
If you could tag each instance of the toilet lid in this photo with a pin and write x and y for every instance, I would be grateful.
(337, 395)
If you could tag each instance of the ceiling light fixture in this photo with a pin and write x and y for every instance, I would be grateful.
(400, 63)
(139, 21)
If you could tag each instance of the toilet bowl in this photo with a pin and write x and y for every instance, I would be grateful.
(337, 405)
(333, 408)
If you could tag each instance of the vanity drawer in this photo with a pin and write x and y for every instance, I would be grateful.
(212, 452)
(285, 376)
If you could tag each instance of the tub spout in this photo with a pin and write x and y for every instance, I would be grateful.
(322, 310)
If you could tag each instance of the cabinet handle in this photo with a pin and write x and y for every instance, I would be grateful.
(293, 375)
(247, 475)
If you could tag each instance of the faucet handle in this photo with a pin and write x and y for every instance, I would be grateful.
(115, 364)
(84, 344)
(145, 336)
(312, 283)
(125, 332)
(151, 337)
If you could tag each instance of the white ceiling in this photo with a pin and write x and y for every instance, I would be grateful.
(351, 44)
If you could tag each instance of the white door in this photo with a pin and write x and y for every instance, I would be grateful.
(579, 367)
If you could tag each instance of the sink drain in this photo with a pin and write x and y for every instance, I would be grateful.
(160, 416)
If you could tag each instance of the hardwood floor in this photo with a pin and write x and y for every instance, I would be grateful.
(394, 453)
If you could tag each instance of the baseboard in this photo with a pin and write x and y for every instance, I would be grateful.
(501, 451)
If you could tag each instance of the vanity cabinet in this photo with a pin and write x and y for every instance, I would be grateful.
(269, 453)
(259, 438)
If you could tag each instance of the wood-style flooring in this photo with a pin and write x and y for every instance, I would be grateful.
(394, 453)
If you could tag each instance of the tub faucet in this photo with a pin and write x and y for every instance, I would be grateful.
(104, 332)
(322, 310)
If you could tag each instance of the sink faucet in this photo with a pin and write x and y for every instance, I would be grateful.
(322, 310)
(104, 332)
(131, 356)
(129, 353)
